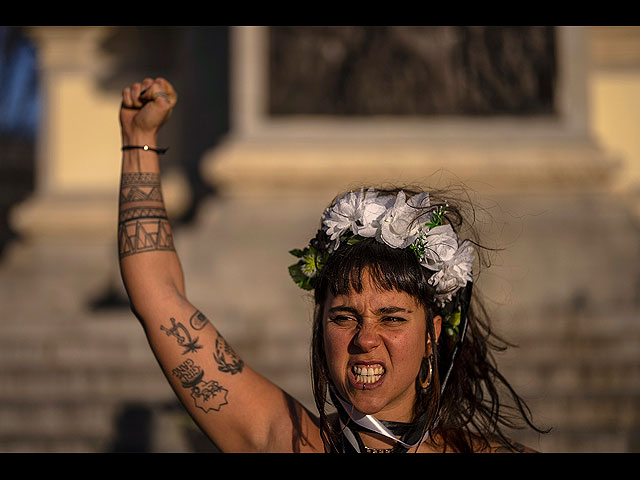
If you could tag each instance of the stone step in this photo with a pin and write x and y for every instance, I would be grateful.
(66, 353)
(53, 354)
(99, 426)
(611, 410)
(56, 418)
(54, 384)
(582, 439)
(598, 321)
(580, 422)
(70, 358)
(52, 444)
(575, 352)
(619, 380)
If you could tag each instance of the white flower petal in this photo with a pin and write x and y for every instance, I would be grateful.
(399, 226)
(420, 200)
(441, 244)
(454, 273)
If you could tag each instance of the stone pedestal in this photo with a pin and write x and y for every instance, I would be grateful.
(614, 85)
(299, 153)
(77, 151)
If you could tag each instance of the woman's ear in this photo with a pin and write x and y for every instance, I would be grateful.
(437, 328)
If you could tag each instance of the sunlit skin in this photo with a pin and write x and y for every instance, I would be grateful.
(376, 328)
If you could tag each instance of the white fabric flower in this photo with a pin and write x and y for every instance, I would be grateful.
(454, 274)
(451, 262)
(359, 212)
(400, 225)
(440, 245)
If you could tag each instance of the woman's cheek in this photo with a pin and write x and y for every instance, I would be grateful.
(336, 352)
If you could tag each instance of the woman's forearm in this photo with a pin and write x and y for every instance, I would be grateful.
(149, 264)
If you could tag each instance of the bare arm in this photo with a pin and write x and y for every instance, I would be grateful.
(236, 407)
(143, 226)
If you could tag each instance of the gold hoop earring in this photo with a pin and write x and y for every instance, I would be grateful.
(425, 383)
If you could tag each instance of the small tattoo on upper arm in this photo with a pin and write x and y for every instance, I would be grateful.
(226, 358)
(188, 373)
(228, 361)
(198, 321)
(207, 395)
(183, 336)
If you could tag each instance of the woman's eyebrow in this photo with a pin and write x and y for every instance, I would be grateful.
(380, 311)
(388, 310)
(343, 308)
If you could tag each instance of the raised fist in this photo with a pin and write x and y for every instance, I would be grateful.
(145, 107)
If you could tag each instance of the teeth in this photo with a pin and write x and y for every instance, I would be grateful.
(368, 374)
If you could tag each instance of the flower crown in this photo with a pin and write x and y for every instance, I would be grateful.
(397, 222)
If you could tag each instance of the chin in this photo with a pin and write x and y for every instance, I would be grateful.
(367, 402)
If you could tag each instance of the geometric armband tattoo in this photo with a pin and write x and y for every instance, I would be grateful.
(144, 234)
(140, 187)
(143, 224)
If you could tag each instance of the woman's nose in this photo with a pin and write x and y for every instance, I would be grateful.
(366, 338)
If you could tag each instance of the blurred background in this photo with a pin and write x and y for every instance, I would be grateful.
(538, 124)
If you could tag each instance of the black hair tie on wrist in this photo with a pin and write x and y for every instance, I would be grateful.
(159, 151)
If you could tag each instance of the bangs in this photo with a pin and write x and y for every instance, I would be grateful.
(389, 269)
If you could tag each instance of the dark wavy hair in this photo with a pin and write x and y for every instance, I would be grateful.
(471, 412)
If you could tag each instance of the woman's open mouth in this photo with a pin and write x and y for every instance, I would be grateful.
(367, 374)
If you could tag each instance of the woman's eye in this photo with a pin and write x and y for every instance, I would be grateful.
(394, 319)
(341, 319)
